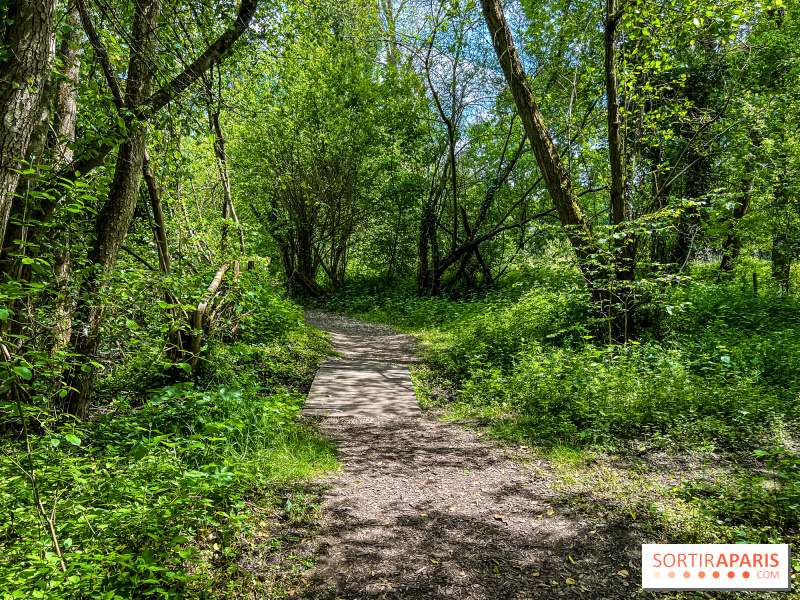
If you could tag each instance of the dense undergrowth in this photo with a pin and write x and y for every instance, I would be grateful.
(714, 370)
(149, 497)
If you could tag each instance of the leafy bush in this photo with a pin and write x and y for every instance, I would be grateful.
(265, 314)
(766, 502)
(147, 498)
(598, 395)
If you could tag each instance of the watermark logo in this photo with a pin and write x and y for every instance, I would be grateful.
(762, 567)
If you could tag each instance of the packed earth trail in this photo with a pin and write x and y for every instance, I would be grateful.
(425, 509)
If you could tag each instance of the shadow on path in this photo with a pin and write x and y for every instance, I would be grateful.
(425, 510)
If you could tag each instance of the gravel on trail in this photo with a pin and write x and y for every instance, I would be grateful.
(426, 509)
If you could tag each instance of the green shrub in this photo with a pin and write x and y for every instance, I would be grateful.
(148, 497)
(766, 502)
(597, 395)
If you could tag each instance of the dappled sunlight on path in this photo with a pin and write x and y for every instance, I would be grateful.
(425, 509)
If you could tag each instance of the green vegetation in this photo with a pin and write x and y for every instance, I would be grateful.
(589, 212)
(153, 497)
(714, 380)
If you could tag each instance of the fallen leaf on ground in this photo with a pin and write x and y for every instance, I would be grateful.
(496, 570)
(436, 562)
(549, 511)
(584, 589)
(452, 508)
(463, 572)
(572, 561)
(534, 574)
(499, 517)
(387, 522)
(424, 515)
(624, 573)
(570, 582)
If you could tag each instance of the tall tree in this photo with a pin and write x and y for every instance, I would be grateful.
(29, 42)
(556, 177)
(114, 218)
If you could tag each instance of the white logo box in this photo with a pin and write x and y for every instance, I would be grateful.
(738, 567)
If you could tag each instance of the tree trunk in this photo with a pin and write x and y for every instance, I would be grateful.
(221, 153)
(428, 251)
(390, 14)
(114, 219)
(614, 304)
(160, 229)
(423, 264)
(556, 177)
(199, 318)
(782, 254)
(620, 211)
(28, 41)
(17, 235)
(66, 110)
(64, 122)
(61, 182)
(390, 271)
(307, 283)
(732, 247)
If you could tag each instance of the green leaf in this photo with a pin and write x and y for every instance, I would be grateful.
(73, 439)
(24, 372)
(3, 314)
(139, 451)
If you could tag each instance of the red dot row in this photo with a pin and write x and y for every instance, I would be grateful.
(702, 574)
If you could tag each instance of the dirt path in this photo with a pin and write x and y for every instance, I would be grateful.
(424, 509)
(364, 342)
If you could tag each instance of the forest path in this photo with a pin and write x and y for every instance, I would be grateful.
(371, 377)
(425, 509)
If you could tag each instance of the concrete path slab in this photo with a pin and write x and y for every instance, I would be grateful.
(371, 379)
(347, 389)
